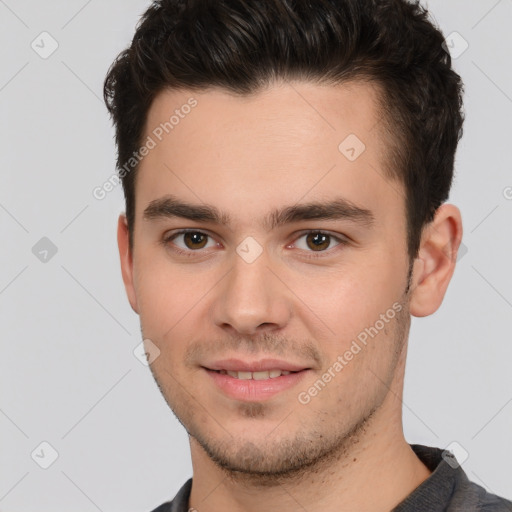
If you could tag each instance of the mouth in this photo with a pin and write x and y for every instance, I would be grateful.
(255, 386)
(263, 375)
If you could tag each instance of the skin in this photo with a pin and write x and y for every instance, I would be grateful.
(345, 449)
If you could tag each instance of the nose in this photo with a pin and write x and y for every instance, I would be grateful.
(252, 298)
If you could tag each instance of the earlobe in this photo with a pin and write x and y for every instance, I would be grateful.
(126, 260)
(435, 264)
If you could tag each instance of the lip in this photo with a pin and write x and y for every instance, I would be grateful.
(251, 390)
(263, 365)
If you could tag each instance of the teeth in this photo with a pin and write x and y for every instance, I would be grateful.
(272, 374)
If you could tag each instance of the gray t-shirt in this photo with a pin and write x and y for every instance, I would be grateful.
(447, 489)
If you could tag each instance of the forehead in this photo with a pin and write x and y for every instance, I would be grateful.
(289, 111)
(286, 143)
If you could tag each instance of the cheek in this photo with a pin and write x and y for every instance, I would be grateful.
(165, 294)
(345, 301)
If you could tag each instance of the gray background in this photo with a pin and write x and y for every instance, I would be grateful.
(68, 373)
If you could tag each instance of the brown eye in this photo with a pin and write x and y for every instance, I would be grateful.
(318, 241)
(188, 241)
(195, 239)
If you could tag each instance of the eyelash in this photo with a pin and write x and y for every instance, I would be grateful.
(190, 253)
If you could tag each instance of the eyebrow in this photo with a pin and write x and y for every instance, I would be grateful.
(338, 208)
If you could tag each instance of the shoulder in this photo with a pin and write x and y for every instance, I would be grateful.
(472, 496)
(448, 488)
(180, 501)
(165, 507)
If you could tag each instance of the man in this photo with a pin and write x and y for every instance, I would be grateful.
(285, 167)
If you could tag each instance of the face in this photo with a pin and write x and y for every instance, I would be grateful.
(295, 251)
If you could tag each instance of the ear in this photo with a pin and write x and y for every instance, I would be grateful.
(126, 259)
(435, 263)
